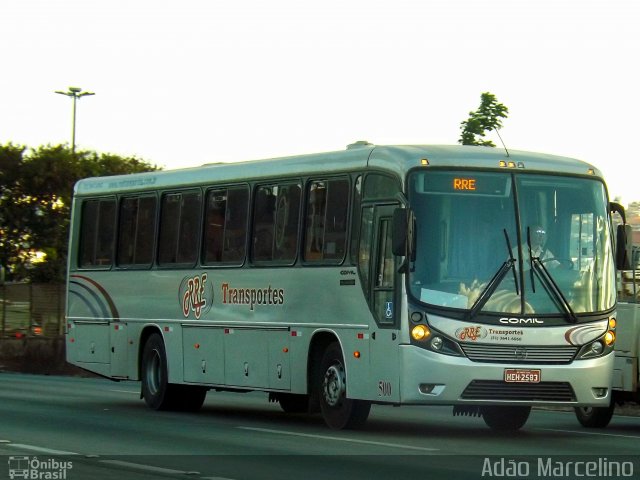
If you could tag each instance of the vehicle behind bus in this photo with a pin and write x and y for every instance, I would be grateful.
(626, 375)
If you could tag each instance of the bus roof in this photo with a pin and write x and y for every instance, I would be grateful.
(396, 159)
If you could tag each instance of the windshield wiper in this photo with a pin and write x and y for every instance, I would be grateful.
(512, 260)
(491, 287)
(549, 283)
(552, 287)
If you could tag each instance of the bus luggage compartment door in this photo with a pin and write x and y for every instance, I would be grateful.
(92, 341)
(257, 357)
(203, 354)
(119, 350)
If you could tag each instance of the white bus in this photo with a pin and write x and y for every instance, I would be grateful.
(402, 275)
(626, 376)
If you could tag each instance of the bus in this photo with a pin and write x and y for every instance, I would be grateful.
(626, 376)
(400, 275)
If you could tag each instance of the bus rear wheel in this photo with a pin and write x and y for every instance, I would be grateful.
(505, 418)
(157, 392)
(338, 411)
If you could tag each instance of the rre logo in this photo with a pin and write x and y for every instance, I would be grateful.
(520, 321)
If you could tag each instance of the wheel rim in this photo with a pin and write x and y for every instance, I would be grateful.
(334, 385)
(154, 372)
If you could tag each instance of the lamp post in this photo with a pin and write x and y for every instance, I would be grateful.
(75, 93)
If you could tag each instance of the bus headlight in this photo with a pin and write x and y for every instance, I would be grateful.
(436, 343)
(609, 338)
(423, 336)
(597, 348)
(420, 332)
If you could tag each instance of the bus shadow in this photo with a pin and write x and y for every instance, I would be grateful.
(438, 427)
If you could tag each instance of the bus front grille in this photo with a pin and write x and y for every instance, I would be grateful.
(498, 390)
(518, 354)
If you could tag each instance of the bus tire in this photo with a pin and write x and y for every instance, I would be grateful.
(505, 418)
(157, 392)
(292, 403)
(595, 417)
(338, 411)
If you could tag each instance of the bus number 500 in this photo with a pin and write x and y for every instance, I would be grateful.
(384, 389)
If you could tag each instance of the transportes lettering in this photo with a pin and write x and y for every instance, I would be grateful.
(252, 296)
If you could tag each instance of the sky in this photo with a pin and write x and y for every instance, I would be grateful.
(180, 83)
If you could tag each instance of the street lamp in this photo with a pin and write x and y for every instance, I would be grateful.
(75, 93)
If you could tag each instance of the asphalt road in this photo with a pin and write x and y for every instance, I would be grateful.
(79, 428)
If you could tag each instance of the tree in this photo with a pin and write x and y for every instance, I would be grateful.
(36, 188)
(488, 117)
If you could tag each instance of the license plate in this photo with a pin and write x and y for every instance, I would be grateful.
(519, 375)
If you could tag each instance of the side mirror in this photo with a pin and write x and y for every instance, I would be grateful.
(615, 207)
(403, 239)
(400, 229)
(623, 247)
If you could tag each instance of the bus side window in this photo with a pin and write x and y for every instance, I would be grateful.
(179, 227)
(355, 219)
(226, 225)
(383, 292)
(377, 186)
(216, 209)
(326, 220)
(276, 222)
(364, 252)
(263, 219)
(287, 222)
(88, 229)
(97, 233)
(190, 221)
(136, 231)
(168, 238)
(235, 238)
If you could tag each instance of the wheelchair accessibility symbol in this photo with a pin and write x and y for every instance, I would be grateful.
(388, 309)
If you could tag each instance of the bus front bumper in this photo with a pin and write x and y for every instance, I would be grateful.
(429, 378)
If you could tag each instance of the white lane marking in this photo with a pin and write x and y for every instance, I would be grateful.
(33, 448)
(580, 432)
(340, 439)
(147, 468)
(137, 392)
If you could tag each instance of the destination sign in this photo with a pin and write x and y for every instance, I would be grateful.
(478, 183)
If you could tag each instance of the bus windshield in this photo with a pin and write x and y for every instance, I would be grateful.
(503, 242)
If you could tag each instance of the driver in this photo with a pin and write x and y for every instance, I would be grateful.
(538, 237)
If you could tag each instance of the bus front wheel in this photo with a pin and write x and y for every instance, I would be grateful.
(505, 418)
(157, 392)
(595, 417)
(338, 411)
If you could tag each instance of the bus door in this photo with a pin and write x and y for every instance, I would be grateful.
(385, 306)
